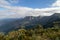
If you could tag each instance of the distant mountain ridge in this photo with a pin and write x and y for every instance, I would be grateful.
(30, 21)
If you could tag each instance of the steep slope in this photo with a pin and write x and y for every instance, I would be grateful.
(53, 18)
(30, 21)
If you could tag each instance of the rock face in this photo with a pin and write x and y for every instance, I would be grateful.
(29, 22)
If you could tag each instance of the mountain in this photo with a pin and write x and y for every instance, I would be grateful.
(29, 22)
(53, 18)
(26, 21)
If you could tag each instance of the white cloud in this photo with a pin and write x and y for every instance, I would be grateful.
(4, 2)
(25, 11)
(56, 3)
(16, 12)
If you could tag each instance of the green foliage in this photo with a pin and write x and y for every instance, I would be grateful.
(38, 33)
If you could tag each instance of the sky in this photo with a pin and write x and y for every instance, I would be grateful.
(22, 8)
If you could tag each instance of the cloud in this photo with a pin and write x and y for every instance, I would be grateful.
(25, 11)
(17, 11)
(4, 2)
(56, 3)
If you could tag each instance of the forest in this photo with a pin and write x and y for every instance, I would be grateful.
(36, 33)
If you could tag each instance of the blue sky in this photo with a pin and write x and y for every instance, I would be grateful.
(34, 3)
(22, 8)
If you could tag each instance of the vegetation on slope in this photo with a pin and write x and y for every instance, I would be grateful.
(36, 33)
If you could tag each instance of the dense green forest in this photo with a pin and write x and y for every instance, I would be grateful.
(36, 33)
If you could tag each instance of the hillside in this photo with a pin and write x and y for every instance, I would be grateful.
(30, 21)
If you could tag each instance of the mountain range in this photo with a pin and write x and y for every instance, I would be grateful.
(7, 25)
